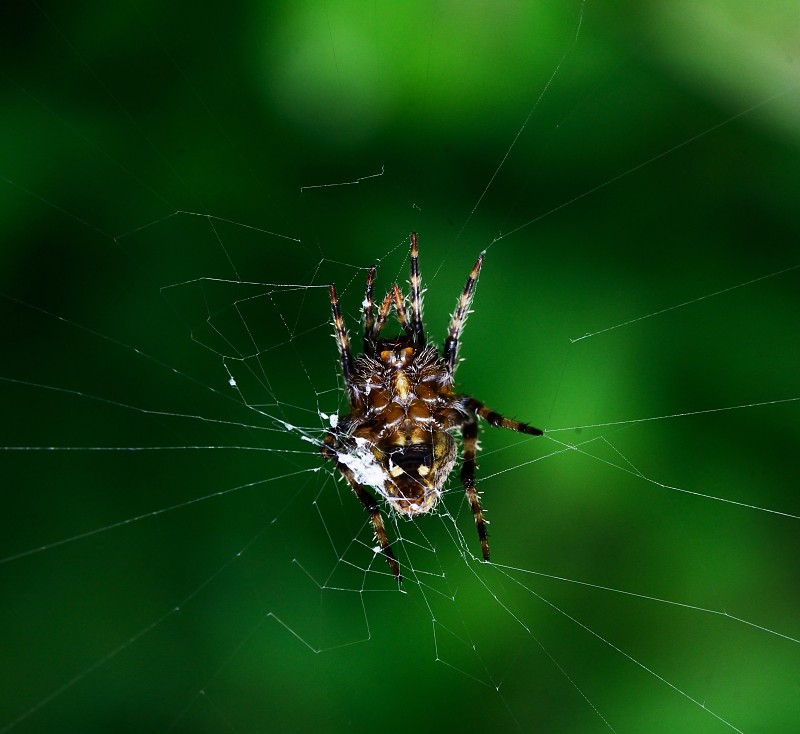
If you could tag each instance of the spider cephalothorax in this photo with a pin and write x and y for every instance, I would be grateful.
(398, 436)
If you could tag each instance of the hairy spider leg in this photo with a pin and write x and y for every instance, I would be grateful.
(499, 421)
(369, 311)
(369, 503)
(417, 328)
(469, 431)
(412, 327)
(380, 321)
(400, 310)
(340, 332)
(460, 317)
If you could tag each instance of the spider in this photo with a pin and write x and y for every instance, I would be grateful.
(398, 436)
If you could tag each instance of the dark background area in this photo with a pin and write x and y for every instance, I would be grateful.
(172, 556)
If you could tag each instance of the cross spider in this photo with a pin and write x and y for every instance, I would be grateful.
(398, 435)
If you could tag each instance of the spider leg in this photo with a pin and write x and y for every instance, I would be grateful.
(400, 310)
(369, 312)
(499, 421)
(340, 333)
(383, 314)
(469, 431)
(460, 316)
(367, 500)
(371, 506)
(417, 329)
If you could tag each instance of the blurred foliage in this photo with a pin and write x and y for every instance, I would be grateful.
(618, 160)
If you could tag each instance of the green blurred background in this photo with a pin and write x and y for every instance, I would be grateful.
(654, 163)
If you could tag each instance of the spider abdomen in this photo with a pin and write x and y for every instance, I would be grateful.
(418, 464)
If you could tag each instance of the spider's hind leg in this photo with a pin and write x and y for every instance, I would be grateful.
(469, 432)
(499, 421)
(367, 500)
(371, 506)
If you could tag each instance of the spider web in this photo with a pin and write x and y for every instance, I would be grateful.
(174, 551)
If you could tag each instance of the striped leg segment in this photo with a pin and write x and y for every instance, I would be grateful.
(469, 431)
(417, 329)
(371, 506)
(383, 314)
(497, 420)
(369, 311)
(340, 333)
(400, 310)
(460, 317)
(369, 503)
(470, 434)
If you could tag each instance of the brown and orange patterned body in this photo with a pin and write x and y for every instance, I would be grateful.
(404, 412)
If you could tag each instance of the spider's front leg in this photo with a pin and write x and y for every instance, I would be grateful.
(328, 450)
(343, 342)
